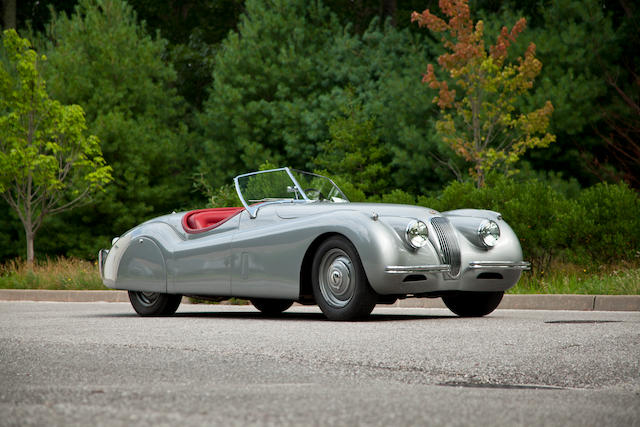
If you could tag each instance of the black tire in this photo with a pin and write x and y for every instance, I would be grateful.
(339, 283)
(154, 303)
(271, 307)
(473, 304)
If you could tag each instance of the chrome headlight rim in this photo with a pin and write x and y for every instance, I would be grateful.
(489, 233)
(417, 234)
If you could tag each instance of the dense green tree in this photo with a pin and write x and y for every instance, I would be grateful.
(353, 152)
(48, 163)
(381, 67)
(284, 76)
(573, 38)
(264, 98)
(102, 59)
(581, 44)
(194, 29)
(620, 129)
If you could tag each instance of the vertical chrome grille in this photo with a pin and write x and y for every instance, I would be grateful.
(448, 243)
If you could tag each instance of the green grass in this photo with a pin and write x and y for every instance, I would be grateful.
(59, 273)
(571, 279)
(562, 278)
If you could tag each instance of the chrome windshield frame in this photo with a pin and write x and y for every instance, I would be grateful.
(253, 209)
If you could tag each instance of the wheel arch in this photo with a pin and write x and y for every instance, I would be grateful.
(306, 293)
(140, 259)
(374, 242)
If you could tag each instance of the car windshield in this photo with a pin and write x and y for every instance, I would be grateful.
(318, 187)
(286, 184)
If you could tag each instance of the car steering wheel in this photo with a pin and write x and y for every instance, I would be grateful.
(320, 195)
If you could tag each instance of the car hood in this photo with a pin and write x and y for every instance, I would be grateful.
(290, 211)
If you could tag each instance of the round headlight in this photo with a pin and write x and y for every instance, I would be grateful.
(489, 233)
(417, 234)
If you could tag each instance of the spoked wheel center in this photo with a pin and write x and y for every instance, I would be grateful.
(337, 277)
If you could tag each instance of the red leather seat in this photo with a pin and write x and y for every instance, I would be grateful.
(201, 220)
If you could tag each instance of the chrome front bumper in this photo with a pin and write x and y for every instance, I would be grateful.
(102, 257)
(410, 269)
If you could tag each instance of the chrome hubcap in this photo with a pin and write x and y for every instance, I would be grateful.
(337, 278)
(148, 298)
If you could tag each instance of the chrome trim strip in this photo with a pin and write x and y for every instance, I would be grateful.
(102, 257)
(396, 269)
(516, 265)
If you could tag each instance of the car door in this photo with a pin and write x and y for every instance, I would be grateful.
(266, 260)
(202, 263)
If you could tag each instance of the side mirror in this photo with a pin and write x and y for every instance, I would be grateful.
(293, 189)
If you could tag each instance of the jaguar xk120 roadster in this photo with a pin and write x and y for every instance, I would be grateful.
(298, 238)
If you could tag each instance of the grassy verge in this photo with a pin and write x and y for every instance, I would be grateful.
(74, 274)
(59, 273)
(573, 279)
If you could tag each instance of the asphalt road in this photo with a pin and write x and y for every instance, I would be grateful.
(92, 364)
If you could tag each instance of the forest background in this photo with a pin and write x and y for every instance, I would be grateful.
(185, 95)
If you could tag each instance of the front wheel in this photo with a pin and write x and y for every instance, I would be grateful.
(154, 303)
(339, 283)
(271, 307)
(473, 304)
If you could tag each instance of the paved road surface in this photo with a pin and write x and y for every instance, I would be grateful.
(93, 364)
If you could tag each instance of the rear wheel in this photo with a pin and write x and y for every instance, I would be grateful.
(271, 307)
(473, 304)
(154, 303)
(339, 283)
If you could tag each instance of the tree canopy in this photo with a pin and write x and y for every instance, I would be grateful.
(102, 58)
(483, 89)
(48, 163)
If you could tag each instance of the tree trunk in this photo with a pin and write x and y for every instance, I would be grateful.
(479, 176)
(9, 14)
(30, 252)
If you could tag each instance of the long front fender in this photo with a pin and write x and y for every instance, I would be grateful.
(379, 247)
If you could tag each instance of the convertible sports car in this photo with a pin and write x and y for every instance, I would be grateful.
(298, 238)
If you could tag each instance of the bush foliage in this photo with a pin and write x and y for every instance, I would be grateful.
(600, 225)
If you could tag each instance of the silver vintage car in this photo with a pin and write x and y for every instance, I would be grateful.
(298, 238)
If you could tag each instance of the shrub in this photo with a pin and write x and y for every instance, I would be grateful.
(602, 224)
(399, 197)
(607, 227)
(535, 211)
